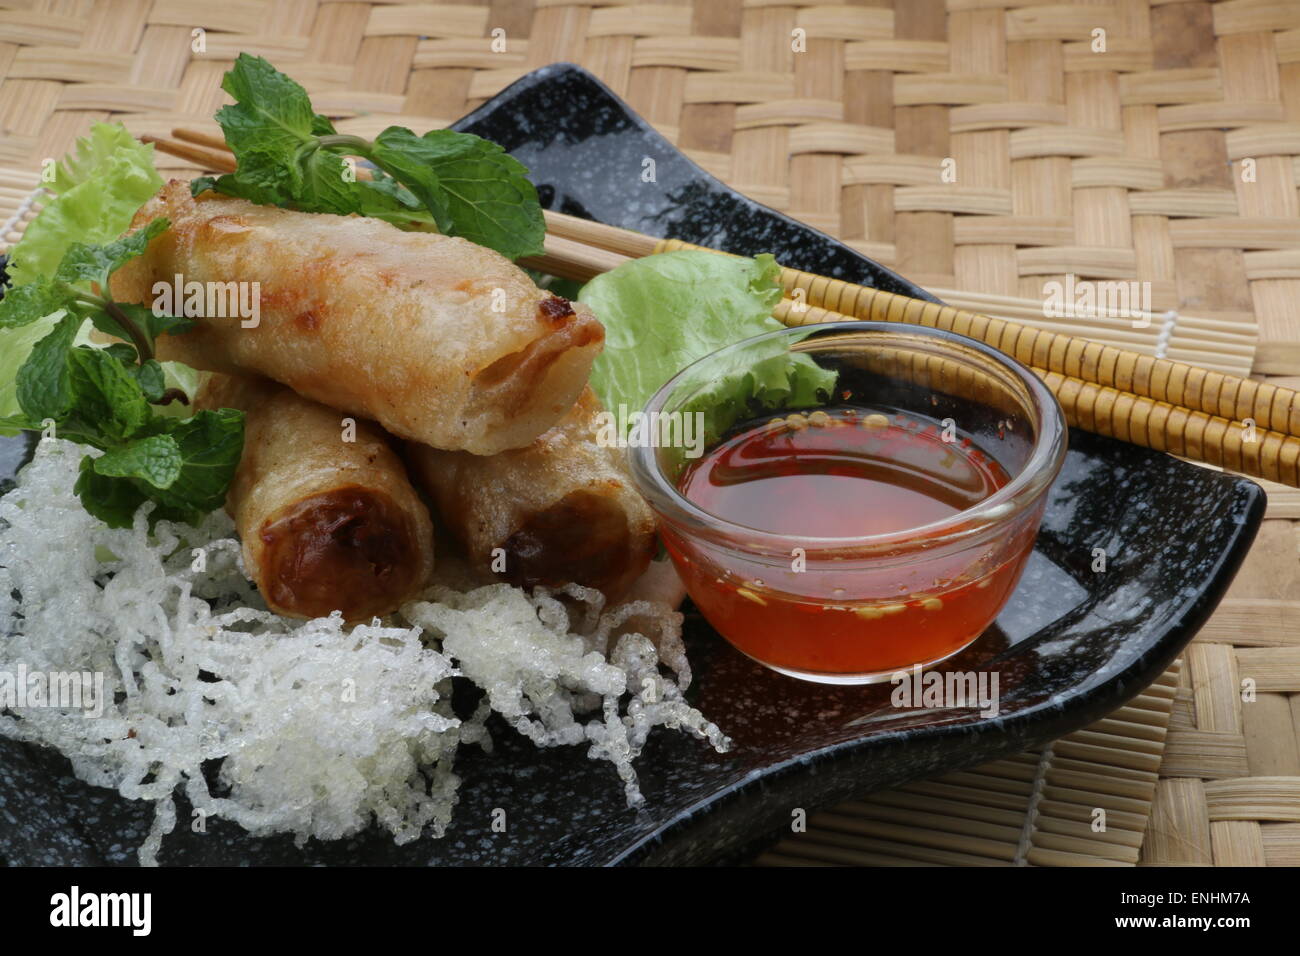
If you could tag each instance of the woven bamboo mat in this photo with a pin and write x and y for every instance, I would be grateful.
(1171, 158)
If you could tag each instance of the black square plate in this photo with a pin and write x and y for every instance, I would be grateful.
(1069, 647)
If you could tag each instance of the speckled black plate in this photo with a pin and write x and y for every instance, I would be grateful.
(1070, 646)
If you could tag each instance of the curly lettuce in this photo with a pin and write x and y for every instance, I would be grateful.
(663, 312)
(96, 190)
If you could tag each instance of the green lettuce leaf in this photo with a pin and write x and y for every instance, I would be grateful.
(663, 312)
(98, 189)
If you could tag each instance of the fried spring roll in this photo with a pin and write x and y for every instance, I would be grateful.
(437, 339)
(561, 510)
(326, 524)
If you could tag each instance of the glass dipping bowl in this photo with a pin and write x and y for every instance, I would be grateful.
(857, 608)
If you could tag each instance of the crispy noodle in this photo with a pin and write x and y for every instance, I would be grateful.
(317, 728)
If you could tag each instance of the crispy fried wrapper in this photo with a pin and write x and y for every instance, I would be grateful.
(325, 524)
(562, 510)
(437, 339)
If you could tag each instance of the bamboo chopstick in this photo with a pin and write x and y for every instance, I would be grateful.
(570, 259)
(208, 151)
(1162, 380)
(1154, 402)
(217, 161)
(1143, 421)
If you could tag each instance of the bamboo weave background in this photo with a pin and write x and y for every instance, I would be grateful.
(1119, 165)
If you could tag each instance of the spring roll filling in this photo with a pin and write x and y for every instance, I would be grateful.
(347, 547)
(583, 538)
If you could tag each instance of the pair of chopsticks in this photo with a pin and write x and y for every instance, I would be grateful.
(1235, 423)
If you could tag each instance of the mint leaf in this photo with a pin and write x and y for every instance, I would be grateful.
(153, 324)
(185, 470)
(43, 384)
(383, 197)
(474, 188)
(270, 120)
(319, 184)
(20, 422)
(325, 186)
(24, 304)
(406, 158)
(232, 184)
(84, 262)
(290, 156)
(112, 500)
(155, 460)
(210, 444)
(150, 377)
(105, 394)
(124, 353)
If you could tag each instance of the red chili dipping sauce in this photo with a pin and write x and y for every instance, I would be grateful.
(846, 472)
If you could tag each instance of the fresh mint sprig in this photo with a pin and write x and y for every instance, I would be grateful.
(105, 397)
(289, 155)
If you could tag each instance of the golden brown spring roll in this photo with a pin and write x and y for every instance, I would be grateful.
(562, 510)
(326, 524)
(437, 339)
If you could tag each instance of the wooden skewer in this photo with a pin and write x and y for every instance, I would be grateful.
(1157, 403)
(625, 242)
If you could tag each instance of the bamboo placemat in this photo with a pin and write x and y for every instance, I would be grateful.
(1172, 158)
